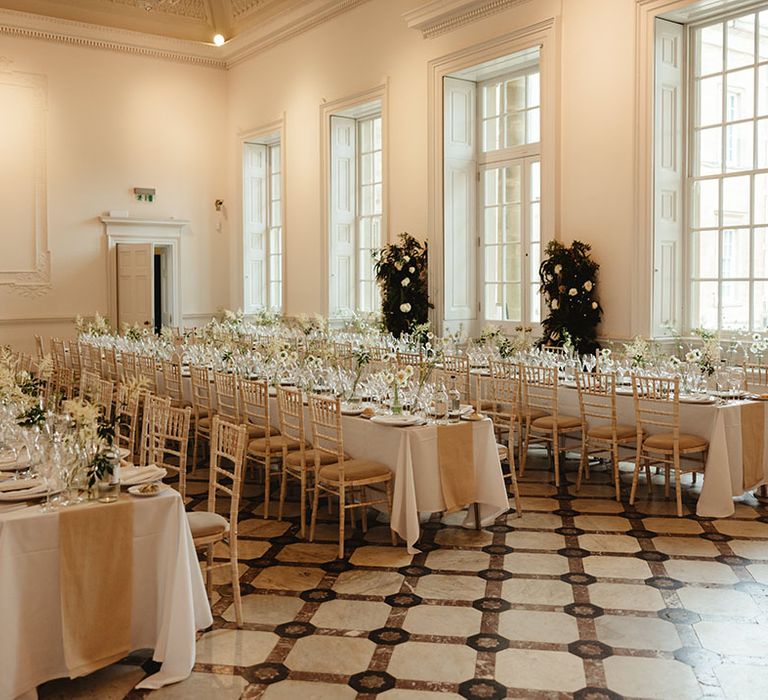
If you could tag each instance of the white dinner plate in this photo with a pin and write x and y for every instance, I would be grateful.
(624, 390)
(729, 395)
(130, 476)
(696, 398)
(136, 490)
(8, 464)
(347, 410)
(24, 494)
(397, 421)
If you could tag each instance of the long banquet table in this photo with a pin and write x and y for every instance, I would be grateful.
(169, 598)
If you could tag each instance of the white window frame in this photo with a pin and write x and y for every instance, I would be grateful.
(267, 135)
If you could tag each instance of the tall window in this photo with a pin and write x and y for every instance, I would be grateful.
(262, 226)
(728, 173)
(355, 209)
(492, 191)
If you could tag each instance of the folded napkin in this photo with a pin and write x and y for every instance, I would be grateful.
(18, 484)
(130, 476)
(96, 584)
(455, 454)
(33, 492)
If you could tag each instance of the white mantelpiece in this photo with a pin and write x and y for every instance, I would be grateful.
(161, 232)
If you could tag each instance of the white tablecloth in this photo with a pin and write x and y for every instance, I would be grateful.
(169, 598)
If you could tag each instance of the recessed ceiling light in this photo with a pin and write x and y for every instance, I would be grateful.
(219, 39)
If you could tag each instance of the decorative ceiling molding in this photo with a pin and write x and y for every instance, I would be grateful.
(441, 16)
(194, 9)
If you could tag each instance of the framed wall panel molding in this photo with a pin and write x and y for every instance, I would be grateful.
(23, 115)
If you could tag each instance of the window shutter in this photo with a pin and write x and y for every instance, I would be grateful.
(255, 226)
(669, 177)
(459, 193)
(342, 213)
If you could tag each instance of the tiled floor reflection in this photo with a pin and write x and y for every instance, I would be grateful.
(582, 597)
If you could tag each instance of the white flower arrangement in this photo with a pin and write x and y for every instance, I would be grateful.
(405, 282)
(405, 308)
(639, 351)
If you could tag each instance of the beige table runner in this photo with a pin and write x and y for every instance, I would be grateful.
(752, 443)
(96, 584)
(455, 455)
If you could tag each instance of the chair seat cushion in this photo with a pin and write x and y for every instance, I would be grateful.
(355, 470)
(205, 524)
(204, 422)
(604, 432)
(276, 444)
(503, 452)
(664, 442)
(536, 413)
(256, 431)
(563, 423)
(294, 458)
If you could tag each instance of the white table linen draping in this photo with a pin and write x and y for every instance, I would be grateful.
(169, 598)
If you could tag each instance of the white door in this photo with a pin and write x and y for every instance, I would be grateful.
(135, 270)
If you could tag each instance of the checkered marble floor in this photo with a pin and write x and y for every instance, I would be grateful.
(581, 597)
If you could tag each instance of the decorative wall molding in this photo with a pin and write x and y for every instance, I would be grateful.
(36, 280)
(36, 321)
(441, 16)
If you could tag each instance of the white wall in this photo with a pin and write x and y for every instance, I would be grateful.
(115, 122)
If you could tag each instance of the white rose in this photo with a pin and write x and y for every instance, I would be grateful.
(411, 270)
(554, 304)
(398, 265)
(588, 285)
(558, 269)
(594, 304)
(407, 258)
(405, 308)
(405, 282)
(572, 292)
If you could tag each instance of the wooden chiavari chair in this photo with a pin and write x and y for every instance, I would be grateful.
(168, 442)
(227, 400)
(756, 378)
(127, 409)
(98, 391)
(130, 366)
(408, 359)
(456, 369)
(601, 431)
(146, 367)
(111, 368)
(657, 407)
(75, 360)
(173, 386)
(86, 359)
(344, 475)
(227, 448)
(39, 347)
(505, 391)
(65, 382)
(96, 361)
(152, 417)
(539, 389)
(266, 450)
(59, 353)
(202, 407)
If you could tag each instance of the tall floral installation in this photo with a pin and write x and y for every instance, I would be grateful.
(569, 285)
(401, 271)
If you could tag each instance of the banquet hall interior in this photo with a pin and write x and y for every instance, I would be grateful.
(399, 349)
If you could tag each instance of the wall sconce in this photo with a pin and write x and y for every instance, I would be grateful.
(219, 203)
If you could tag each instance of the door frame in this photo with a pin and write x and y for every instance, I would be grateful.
(165, 233)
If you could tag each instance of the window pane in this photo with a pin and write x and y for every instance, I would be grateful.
(762, 143)
(761, 199)
(535, 232)
(366, 200)
(709, 152)
(493, 270)
(493, 302)
(512, 306)
(491, 134)
(760, 252)
(491, 186)
(377, 133)
(760, 305)
(512, 184)
(704, 254)
(512, 263)
(735, 253)
(735, 301)
(710, 100)
(512, 223)
(762, 91)
(515, 129)
(740, 97)
(491, 230)
(514, 93)
(366, 135)
(704, 297)
(535, 304)
(533, 134)
(710, 49)
(366, 169)
(491, 100)
(706, 198)
(275, 242)
(276, 214)
(533, 85)
(274, 154)
(739, 151)
(535, 181)
(736, 201)
(763, 31)
(741, 41)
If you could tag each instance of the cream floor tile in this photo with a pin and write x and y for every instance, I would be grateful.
(351, 615)
(536, 489)
(596, 490)
(203, 686)
(530, 563)
(394, 557)
(463, 537)
(426, 661)
(535, 540)
(675, 526)
(258, 527)
(660, 679)
(234, 647)
(289, 578)
(686, 546)
(378, 535)
(267, 609)
(759, 572)
(540, 670)
(535, 521)
(602, 523)
(444, 587)
(717, 601)
(609, 543)
(626, 596)
(246, 549)
(538, 626)
(732, 638)
(742, 528)
(756, 549)
(338, 655)
(458, 560)
(637, 633)
(700, 571)
(521, 591)
(361, 582)
(224, 574)
(306, 690)
(596, 505)
(742, 510)
(546, 505)
(617, 567)
(741, 682)
(658, 507)
(443, 620)
(308, 553)
(402, 694)
(111, 683)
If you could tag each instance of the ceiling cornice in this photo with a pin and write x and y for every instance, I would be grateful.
(441, 16)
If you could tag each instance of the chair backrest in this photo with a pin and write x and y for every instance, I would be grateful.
(127, 408)
(130, 365)
(172, 383)
(146, 367)
(457, 367)
(756, 378)
(168, 447)
(24, 363)
(327, 435)
(97, 390)
(59, 353)
(597, 397)
(201, 391)
(39, 347)
(254, 404)
(539, 390)
(657, 404)
(152, 422)
(290, 407)
(378, 353)
(96, 361)
(228, 405)
(75, 360)
(110, 363)
(557, 350)
(409, 359)
(86, 359)
(505, 397)
(228, 444)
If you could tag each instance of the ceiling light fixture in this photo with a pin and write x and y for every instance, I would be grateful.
(219, 39)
